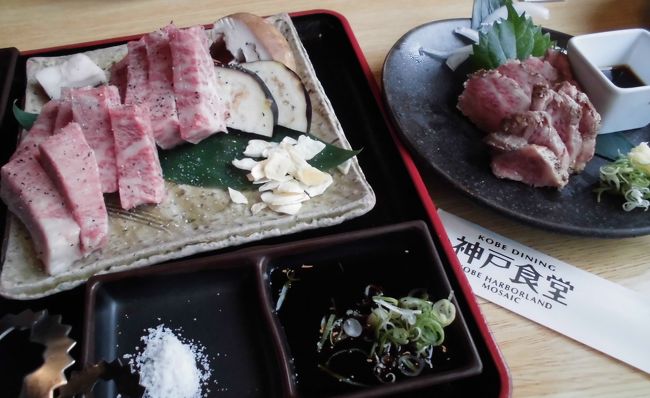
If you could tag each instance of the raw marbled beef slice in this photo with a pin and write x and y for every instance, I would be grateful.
(90, 110)
(161, 101)
(201, 111)
(41, 129)
(137, 73)
(139, 173)
(71, 165)
(32, 197)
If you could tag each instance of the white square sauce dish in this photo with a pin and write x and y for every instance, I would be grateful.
(614, 70)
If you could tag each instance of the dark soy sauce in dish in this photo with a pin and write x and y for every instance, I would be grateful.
(622, 76)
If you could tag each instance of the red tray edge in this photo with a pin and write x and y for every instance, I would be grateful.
(504, 373)
(495, 352)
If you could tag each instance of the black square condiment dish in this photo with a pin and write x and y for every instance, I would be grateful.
(211, 301)
(334, 271)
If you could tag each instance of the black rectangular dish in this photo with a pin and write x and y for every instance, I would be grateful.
(401, 196)
(258, 347)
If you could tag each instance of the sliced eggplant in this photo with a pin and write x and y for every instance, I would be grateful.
(250, 103)
(291, 97)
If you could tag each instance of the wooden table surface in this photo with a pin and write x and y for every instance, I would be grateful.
(542, 362)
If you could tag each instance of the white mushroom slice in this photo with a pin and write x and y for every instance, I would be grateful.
(278, 165)
(256, 148)
(248, 37)
(279, 199)
(77, 71)
(291, 186)
(237, 197)
(245, 163)
(287, 209)
(269, 186)
(311, 176)
(308, 147)
(257, 207)
(316, 190)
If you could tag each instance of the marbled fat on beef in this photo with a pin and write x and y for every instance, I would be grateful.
(201, 111)
(90, 110)
(490, 97)
(71, 165)
(41, 129)
(137, 73)
(32, 196)
(64, 115)
(161, 101)
(140, 174)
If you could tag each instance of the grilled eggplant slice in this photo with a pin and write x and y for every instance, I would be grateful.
(294, 106)
(250, 103)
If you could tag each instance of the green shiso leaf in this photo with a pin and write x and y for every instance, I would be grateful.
(514, 38)
(208, 163)
(25, 119)
(483, 8)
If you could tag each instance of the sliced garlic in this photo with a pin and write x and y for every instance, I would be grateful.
(257, 207)
(237, 197)
(310, 175)
(291, 186)
(280, 199)
(244, 164)
(256, 148)
(269, 186)
(308, 147)
(287, 209)
(278, 165)
(316, 190)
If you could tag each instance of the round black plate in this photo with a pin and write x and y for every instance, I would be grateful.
(421, 95)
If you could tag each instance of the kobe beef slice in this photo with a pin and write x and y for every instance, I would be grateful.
(137, 73)
(489, 97)
(565, 114)
(533, 164)
(201, 112)
(42, 128)
(160, 97)
(90, 110)
(33, 198)
(71, 165)
(140, 175)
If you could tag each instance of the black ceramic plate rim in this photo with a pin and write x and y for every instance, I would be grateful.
(506, 210)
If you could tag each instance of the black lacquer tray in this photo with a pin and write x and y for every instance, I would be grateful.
(401, 197)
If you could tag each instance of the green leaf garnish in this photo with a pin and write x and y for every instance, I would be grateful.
(25, 119)
(514, 38)
(483, 8)
(208, 163)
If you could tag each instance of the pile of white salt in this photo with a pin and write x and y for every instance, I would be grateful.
(169, 367)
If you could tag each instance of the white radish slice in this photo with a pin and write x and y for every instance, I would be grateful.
(76, 71)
